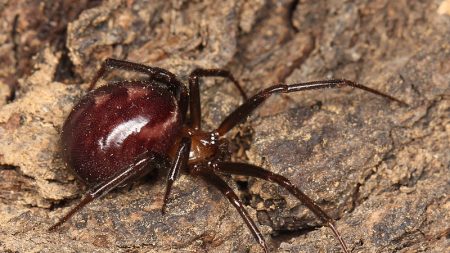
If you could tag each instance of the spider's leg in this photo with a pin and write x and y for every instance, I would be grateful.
(180, 162)
(138, 167)
(243, 111)
(158, 74)
(194, 91)
(208, 175)
(244, 169)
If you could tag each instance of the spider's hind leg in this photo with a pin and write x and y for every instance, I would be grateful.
(138, 167)
(159, 74)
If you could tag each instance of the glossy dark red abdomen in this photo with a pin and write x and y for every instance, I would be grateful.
(114, 124)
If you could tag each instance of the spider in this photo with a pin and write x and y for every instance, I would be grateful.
(121, 131)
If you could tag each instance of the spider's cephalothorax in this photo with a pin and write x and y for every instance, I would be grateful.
(120, 132)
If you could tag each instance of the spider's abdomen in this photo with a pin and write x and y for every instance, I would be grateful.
(114, 124)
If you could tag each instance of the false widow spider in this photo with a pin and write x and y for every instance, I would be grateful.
(121, 131)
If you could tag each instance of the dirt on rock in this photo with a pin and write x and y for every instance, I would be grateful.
(382, 170)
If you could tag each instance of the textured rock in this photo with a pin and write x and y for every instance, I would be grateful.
(382, 170)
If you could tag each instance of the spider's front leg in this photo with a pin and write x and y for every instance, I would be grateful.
(208, 175)
(194, 91)
(242, 112)
(244, 169)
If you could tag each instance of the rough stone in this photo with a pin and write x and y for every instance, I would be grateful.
(380, 169)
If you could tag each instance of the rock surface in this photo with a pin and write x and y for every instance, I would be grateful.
(380, 169)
